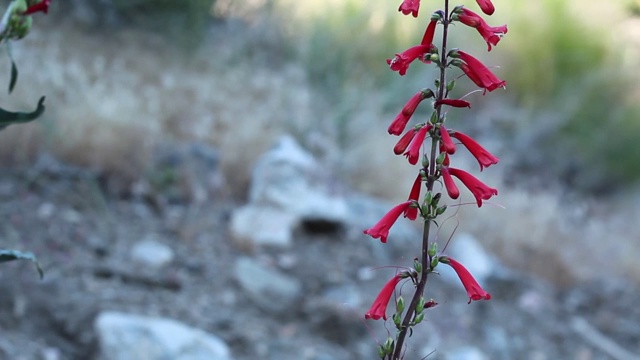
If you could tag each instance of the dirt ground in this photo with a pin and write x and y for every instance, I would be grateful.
(83, 234)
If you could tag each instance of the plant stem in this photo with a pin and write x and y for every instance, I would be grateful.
(425, 258)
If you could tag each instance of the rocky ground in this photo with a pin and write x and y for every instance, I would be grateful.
(176, 251)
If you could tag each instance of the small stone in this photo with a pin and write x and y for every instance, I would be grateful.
(152, 253)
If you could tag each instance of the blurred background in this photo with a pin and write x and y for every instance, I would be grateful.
(137, 89)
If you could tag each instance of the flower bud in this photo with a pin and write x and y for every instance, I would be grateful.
(440, 158)
(397, 320)
(420, 306)
(434, 263)
(433, 249)
(428, 198)
(425, 162)
(441, 210)
(418, 319)
(434, 118)
(400, 305)
(382, 352)
(451, 85)
(389, 345)
(417, 265)
(436, 199)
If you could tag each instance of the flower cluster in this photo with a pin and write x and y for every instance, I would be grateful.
(436, 176)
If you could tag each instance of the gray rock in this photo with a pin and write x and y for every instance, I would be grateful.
(267, 288)
(151, 253)
(289, 188)
(126, 336)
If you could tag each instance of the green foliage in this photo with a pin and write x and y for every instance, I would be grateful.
(562, 63)
(185, 20)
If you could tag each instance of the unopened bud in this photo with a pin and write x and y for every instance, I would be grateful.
(434, 263)
(417, 265)
(418, 319)
(451, 85)
(434, 118)
(433, 249)
(423, 171)
(420, 306)
(440, 158)
(436, 199)
(397, 320)
(382, 352)
(425, 162)
(400, 305)
(389, 345)
(441, 210)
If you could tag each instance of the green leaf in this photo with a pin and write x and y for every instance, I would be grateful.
(14, 69)
(8, 117)
(14, 76)
(11, 255)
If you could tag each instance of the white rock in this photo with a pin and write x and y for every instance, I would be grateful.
(152, 253)
(126, 336)
(288, 188)
(263, 225)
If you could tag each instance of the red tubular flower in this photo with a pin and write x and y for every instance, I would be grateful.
(429, 33)
(42, 6)
(447, 144)
(486, 6)
(379, 307)
(412, 212)
(453, 102)
(490, 34)
(410, 7)
(381, 229)
(414, 149)
(451, 187)
(400, 122)
(484, 157)
(480, 74)
(404, 141)
(479, 190)
(401, 62)
(474, 290)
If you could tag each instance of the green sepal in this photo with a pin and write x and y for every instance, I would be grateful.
(441, 210)
(11, 255)
(418, 319)
(8, 117)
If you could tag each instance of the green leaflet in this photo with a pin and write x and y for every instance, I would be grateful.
(8, 117)
(11, 255)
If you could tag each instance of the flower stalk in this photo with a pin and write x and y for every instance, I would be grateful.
(435, 167)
